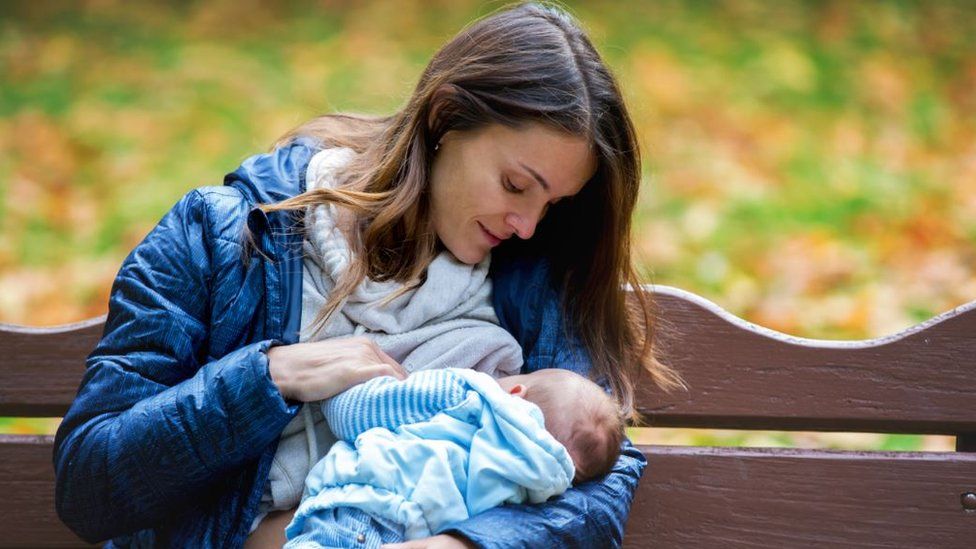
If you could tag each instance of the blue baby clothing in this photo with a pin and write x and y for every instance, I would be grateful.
(389, 403)
(345, 528)
(432, 450)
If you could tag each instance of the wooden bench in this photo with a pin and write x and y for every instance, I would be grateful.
(741, 376)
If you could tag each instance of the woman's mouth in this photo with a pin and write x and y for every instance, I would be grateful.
(492, 239)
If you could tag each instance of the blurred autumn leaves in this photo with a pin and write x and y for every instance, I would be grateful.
(813, 164)
(810, 166)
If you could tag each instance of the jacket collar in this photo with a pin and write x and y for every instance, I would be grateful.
(276, 176)
(265, 179)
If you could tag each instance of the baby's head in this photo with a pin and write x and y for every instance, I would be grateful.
(578, 413)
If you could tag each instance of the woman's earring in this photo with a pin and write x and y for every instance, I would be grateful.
(437, 146)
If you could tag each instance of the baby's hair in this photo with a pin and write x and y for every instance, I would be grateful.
(592, 432)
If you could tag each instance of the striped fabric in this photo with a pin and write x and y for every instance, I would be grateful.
(388, 402)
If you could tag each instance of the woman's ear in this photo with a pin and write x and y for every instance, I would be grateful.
(439, 100)
(518, 390)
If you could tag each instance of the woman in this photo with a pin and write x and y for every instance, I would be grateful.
(201, 365)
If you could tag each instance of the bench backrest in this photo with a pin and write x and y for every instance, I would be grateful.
(740, 376)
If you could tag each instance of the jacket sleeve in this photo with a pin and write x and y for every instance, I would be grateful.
(155, 421)
(591, 514)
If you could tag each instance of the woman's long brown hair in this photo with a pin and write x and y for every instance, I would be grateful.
(527, 63)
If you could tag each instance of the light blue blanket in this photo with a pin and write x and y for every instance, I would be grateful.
(484, 448)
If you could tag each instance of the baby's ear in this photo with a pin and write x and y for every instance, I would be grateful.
(518, 390)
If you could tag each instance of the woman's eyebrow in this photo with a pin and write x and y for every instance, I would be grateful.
(542, 181)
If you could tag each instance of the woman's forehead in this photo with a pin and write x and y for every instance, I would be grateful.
(558, 160)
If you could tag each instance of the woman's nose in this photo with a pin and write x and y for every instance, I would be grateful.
(523, 225)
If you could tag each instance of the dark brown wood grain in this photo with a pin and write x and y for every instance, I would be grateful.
(40, 368)
(742, 376)
(27, 516)
(736, 497)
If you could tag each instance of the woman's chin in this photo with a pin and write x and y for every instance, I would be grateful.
(469, 256)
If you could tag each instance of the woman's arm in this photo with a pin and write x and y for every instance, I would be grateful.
(591, 514)
(155, 423)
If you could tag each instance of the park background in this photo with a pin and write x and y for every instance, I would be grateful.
(810, 166)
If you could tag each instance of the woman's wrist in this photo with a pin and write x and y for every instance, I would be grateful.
(278, 371)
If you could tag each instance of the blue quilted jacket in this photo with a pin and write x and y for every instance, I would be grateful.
(171, 436)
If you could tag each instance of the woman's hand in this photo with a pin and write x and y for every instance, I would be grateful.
(443, 541)
(316, 371)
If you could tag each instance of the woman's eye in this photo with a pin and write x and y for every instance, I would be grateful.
(510, 187)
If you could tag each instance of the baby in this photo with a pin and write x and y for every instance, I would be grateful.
(417, 455)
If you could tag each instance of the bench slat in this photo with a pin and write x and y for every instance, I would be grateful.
(742, 376)
(689, 497)
(41, 368)
(735, 497)
(27, 516)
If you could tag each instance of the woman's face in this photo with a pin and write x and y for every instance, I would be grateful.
(497, 182)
